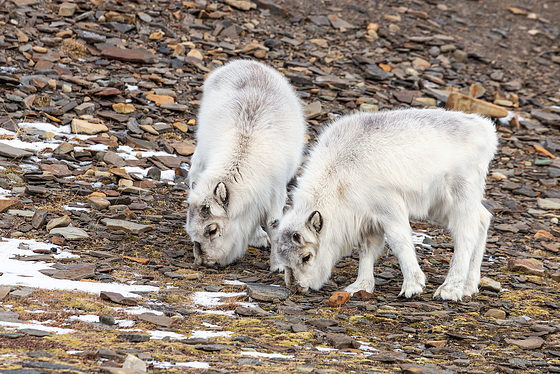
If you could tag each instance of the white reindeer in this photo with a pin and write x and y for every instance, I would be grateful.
(250, 137)
(368, 175)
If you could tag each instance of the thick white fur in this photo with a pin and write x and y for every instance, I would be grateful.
(250, 137)
(368, 175)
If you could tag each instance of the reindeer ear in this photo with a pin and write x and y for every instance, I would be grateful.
(221, 193)
(316, 221)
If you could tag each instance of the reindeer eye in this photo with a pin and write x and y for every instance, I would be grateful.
(305, 259)
(296, 237)
(212, 230)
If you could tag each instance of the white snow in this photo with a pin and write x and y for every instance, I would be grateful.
(5, 193)
(266, 355)
(169, 365)
(419, 236)
(210, 334)
(26, 273)
(212, 299)
(158, 335)
(134, 310)
(37, 326)
(89, 318)
(68, 208)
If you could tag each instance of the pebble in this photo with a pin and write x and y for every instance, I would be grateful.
(490, 285)
(98, 203)
(58, 222)
(69, 233)
(263, 292)
(118, 298)
(107, 319)
(134, 363)
(84, 127)
(525, 266)
(131, 227)
(156, 319)
(457, 101)
(338, 299)
(140, 55)
(133, 338)
(529, 343)
(495, 313)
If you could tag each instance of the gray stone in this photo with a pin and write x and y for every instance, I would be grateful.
(113, 158)
(529, 343)
(162, 127)
(69, 233)
(376, 73)
(545, 117)
(264, 292)
(175, 107)
(156, 319)
(490, 285)
(132, 227)
(39, 218)
(13, 152)
(549, 203)
(419, 369)
(134, 363)
(71, 271)
(313, 110)
(341, 341)
(250, 312)
(35, 332)
(107, 319)
(134, 190)
(322, 323)
(495, 313)
(154, 173)
(108, 354)
(9, 317)
(134, 338)
(58, 222)
(98, 203)
(23, 293)
(4, 291)
(116, 370)
(21, 213)
(49, 365)
(118, 298)
(85, 108)
(212, 347)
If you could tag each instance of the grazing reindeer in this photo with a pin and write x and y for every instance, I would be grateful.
(368, 174)
(250, 137)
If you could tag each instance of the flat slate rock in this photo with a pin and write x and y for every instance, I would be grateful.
(265, 292)
(49, 365)
(118, 298)
(132, 227)
(9, 317)
(13, 152)
(35, 332)
(134, 338)
(212, 347)
(69, 233)
(418, 369)
(156, 319)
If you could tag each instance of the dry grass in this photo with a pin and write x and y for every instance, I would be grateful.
(74, 48)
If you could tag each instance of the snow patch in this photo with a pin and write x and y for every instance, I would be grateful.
(26, 273)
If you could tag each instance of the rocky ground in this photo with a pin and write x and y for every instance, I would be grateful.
(94, 195)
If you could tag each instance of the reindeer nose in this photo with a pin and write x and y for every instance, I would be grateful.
(198, 253)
